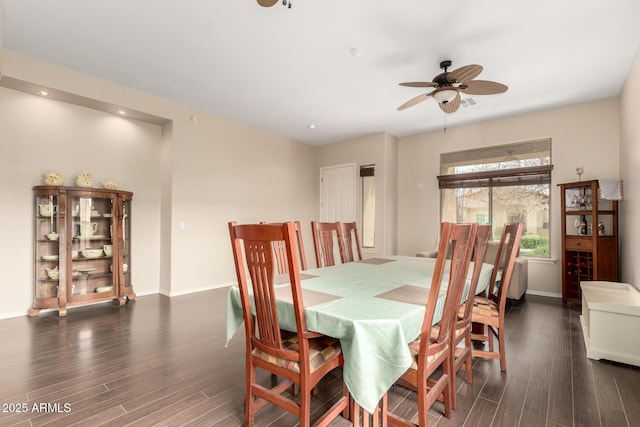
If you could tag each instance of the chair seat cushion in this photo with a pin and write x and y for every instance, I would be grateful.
(485, 307)
(414, 348)
(320, 350)
(435, 330)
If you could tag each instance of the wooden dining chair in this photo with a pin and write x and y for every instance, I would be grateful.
(302, 357)
(349, 242)
(280, 252)
(489, 310)
(324, 234)
(431, 350)
(461, 340)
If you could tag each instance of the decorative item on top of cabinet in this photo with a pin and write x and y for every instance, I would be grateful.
(589, 237)
(82, 247)
(84, 179)
(53, 178)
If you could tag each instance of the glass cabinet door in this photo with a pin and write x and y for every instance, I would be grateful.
(91, 248)
(126, 248)
(47, 256)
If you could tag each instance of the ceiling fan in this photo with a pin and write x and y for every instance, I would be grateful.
(448, 86)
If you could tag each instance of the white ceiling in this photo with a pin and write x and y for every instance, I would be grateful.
(283, 69)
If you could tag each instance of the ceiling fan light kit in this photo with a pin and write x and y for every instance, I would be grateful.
(269, 3)
(444, 95)
(449, 85)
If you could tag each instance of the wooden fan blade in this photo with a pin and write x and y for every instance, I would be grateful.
(267, 3)
(414, 101)
(419, 84)
(451, 106)
(464, 74)
(483, 87)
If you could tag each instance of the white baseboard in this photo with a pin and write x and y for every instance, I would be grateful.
(544, 294)
(11, 315)
(195, 290)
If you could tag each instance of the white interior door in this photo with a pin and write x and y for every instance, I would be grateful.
(338, 193)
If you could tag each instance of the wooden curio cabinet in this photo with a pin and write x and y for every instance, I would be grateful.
(589, 238)
(82, 247)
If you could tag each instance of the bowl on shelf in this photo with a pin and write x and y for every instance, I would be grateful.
(53, 236)
(91, 253)
(50, 257)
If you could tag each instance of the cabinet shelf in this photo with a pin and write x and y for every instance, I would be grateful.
(83, 218)
(589, 238)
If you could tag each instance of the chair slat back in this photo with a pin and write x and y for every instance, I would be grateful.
(507, 250)
(323, 241)
(348, 239)
(280, 252)
(479, 250)
(253, 253)
(461, 238)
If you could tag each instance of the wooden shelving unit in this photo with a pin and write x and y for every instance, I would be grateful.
(589, 238)
(82, 247)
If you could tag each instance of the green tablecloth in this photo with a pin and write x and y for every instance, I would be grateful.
(375, 307)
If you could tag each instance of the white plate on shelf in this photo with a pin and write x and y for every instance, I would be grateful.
(94, 237)
(107, 215)
(84, 270)
(50, 257)
(96, 255)
(104, 288)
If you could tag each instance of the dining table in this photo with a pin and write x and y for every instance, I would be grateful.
(375, 307)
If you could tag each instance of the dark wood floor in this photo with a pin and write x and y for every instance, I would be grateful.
(161, 361)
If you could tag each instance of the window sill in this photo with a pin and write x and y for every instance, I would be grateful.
(535, 260)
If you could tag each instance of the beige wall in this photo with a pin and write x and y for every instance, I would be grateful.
(630, 169)
(582, 135)
(379, 149)
(201, 175)
(41, 135)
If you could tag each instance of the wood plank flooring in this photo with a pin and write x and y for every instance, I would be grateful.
(161, 361)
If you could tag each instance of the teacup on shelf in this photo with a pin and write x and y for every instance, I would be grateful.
(53, 236)
(47, 210)
(53, 273)
(125, 267)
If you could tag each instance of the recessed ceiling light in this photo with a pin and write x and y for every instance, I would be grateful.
(44, 93)
(122, 112)
(312, 126)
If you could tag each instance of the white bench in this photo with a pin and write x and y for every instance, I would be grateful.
(611, 321)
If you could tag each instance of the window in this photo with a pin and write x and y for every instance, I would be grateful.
(368, 205)
(505, 184)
